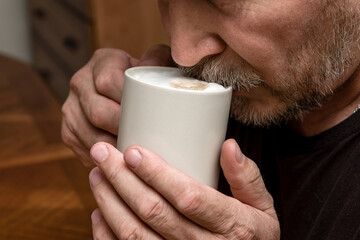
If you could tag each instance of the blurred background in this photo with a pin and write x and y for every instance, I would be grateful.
(44, 188)
(15, 29)
(57, 37)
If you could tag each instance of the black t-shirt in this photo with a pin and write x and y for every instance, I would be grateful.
(315, 181)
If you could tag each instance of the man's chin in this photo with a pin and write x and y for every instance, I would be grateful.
(237, 93)
(254, 113)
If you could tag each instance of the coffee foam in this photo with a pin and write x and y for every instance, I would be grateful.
(172, 78)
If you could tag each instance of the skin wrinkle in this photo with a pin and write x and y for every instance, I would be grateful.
(233, 8)
(313, 71)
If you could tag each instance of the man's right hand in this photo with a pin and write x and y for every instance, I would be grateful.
(92, 110)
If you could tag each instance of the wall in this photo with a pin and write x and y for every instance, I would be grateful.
(131, 25)
(14, 30)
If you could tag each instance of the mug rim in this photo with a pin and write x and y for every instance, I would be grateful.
(129, 73)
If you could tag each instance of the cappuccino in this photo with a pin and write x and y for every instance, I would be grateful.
(182, 119)
(172, 78)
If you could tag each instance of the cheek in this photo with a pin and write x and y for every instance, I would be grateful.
(254, 45)
(264, 37)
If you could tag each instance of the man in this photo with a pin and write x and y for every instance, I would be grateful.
(294, 67)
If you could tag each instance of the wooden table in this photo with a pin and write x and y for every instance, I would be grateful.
(44, 189)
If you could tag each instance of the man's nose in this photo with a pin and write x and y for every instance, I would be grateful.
(193, 35)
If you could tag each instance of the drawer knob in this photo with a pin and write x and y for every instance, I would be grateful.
(39, 13)
(70, 43)
(45, 74)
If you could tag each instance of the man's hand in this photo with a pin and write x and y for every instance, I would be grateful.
(91, 111)
(140, 196)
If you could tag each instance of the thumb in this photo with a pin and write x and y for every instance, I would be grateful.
(245, 180)
(158, 55)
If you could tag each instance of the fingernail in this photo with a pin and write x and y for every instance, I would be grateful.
(99, 152)
(96, 216)
(132, 157)
(239, 156)
(150, 62)
(95, 177)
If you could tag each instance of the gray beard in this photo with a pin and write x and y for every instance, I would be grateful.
(310, 76)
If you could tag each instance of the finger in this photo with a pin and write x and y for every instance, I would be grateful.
(100, 111)
(158, 55)
(146, 203)
(120, 218)
(245, 179)
(75, 144)
(79, 125)
(201, 204)
(78, 134)
(108, 67)
(99, 227)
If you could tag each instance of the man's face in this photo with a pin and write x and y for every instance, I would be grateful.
(282, 57)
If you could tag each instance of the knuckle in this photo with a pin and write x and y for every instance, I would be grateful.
(255, 177)
(114, 172)
(255, 180)
(242, 233)
(251, 178)
(97, 115)
(254, 171)
(131, 233)
(98, 52)
(190, 200)
(108, 53)
(105, 81)
(100, 197)
(239, 231)
(101, 233)
(65, 109)
(66, 134)
(66, 129)
(153, 211)
(156, 175)
(75, 83)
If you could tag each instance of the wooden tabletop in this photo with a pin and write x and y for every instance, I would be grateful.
(44, 189)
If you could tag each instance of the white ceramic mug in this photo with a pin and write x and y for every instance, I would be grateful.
(185, 127)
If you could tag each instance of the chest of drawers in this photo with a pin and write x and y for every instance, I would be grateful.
(66, 32)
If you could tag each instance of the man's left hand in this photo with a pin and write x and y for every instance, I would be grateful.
(140, 196)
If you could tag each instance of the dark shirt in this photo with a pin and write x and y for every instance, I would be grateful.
(315, 181)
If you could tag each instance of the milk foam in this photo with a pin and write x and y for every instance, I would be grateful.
(172, 78)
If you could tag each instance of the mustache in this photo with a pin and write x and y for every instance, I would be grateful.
(214, 69)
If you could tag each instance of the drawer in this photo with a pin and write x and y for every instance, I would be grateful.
(55, 77)
(80, 7)
(66, 34)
